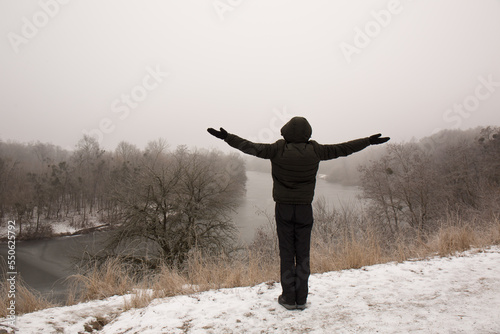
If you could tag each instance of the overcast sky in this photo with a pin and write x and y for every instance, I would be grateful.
(136, 71)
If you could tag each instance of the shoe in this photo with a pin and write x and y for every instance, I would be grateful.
(301, 306)
(281, 301)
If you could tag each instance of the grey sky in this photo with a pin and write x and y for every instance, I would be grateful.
(351, 68)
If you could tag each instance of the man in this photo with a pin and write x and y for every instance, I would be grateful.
(295, 161)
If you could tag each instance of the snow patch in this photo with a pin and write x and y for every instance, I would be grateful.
(458, 294)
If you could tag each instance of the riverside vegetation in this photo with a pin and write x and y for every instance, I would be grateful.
(436, 196)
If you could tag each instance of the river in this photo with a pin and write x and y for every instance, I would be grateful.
(45, 264)
(259, 198)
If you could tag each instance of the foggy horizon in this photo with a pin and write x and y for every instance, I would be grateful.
(138, 71)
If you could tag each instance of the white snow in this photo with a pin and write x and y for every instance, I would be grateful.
(60, 227)
(459, 294)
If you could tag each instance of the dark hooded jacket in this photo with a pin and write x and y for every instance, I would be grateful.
(295, 159)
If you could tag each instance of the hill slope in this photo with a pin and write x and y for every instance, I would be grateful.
(458, 294)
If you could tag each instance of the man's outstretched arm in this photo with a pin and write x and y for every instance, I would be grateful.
(332, 151)
(265, 151)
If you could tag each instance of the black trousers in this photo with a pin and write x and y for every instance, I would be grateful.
(294, 225)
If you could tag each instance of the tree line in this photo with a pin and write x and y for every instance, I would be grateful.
(155, 191)
(452, 175)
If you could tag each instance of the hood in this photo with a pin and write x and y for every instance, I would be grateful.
(297, 130)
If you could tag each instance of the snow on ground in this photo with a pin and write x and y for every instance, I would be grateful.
(458, 294)
(60, 227)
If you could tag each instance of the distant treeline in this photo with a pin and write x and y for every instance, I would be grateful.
(41, 182)
(453, 175)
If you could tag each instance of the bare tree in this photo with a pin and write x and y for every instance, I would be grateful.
(89, 171)
(176, 202)
(379, 186)
(402, 186)
(420, 184)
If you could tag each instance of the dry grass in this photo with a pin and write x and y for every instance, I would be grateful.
(223, 272)
(369, 248)
(201, 274)
(102, 281)
(349, 254)
(26, 299)
(490, 235)
(139, 298)
(451, 240)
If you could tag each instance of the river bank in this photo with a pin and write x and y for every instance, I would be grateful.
(46, 263)
(254, 211)
(87, 230)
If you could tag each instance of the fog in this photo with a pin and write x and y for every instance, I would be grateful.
(134, 71)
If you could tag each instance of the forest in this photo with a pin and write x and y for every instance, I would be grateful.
(177, 198)
(451, 176)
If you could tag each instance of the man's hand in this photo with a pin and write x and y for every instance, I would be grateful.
(222, 134)
(376, 139)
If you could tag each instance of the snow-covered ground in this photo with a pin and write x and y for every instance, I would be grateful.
(60, 227)
(459, 294)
